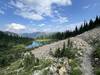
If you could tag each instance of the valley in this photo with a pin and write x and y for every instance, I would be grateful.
(78, 54)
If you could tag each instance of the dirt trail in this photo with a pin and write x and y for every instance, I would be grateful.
(87, 68)
(85, 58)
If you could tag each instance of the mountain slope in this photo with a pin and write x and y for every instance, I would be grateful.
(71, 56)
(80, 42)
(89, 36)
(34, 34)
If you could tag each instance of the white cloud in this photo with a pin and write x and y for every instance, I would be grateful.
(15, 26)
(63, 27)
(90, 6)
(61, 20)
(1, 12)
(30, 30)
(86, 7)
(72, 26)
(63, 2)
(20, 28)
(37, 9)
(41, 25)
(30, 15)
(47, 30)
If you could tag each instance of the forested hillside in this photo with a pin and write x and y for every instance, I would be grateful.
(11, 46)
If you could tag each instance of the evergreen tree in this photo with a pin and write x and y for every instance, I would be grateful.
(84, 27)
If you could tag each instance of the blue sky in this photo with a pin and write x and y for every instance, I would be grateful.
(23, 16)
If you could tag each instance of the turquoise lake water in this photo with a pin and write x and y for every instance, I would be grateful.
(36, 44)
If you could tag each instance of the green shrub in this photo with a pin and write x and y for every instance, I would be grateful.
(45, 72)
(96, 64)
(57, 53)
(75, 70)
(97, 71)
(28, 60)
(97, 52)
(65, 51)
(43, 63)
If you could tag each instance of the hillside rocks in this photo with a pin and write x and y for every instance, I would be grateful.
(89, 36)
(44, 51)
(59, 67)
(83, 54)
(80, 42)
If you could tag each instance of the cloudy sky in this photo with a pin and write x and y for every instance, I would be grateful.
(23, 16)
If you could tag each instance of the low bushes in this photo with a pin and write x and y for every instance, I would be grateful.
(96, 56)
(25, 65)
(70, 53)
(65, 51)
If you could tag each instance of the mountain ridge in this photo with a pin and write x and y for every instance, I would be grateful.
(34, 34)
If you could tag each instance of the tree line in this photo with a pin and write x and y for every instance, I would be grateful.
(6, 38)
(11, 47)
(78, 30)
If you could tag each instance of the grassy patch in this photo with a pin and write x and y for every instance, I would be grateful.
(12, 54)
(75, 70)
(25, 66)
(67, 52)
(97, 71)
(96, 56)
(97, 62)
(70, 53)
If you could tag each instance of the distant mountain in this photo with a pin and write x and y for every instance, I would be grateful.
(34, 34)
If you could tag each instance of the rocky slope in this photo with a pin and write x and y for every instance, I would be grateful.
(89, 36)
(81, 42)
